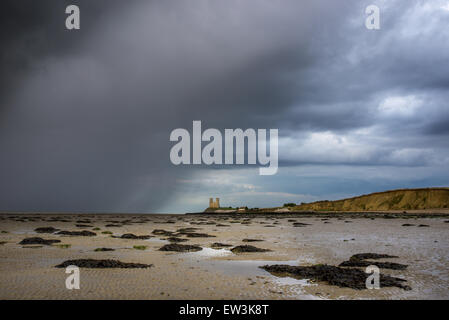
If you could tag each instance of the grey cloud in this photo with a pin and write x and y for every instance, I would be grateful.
(86, 118)
(87, 127)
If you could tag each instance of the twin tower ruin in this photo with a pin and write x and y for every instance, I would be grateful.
(214, 204)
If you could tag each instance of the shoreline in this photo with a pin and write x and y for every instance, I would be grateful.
(367, 214)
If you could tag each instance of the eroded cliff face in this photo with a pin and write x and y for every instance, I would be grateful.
(404, 199)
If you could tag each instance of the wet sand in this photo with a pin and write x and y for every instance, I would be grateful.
(28, 271)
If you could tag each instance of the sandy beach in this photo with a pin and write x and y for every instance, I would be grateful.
(29, 272)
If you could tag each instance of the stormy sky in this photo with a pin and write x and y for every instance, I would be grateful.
(86, 115)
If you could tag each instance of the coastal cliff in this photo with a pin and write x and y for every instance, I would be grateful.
(402, 199)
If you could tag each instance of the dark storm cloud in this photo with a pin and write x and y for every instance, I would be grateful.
(88, 123)
(439, 127)
(31, 30)
(87, 114)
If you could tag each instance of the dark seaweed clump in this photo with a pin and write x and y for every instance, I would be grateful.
(93, 263)
(46, 230)
(247, 248)
(36, 240)
(180, 248)
(198, 235)
(300, 224)
(337, 276)
(176, 239)
(364, 256)
(186, 230)
(218, 245)
(83, 233)
(133, 236)
(360, 260)
(162, 232)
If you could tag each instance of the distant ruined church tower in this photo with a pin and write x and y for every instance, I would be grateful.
(214, 204)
